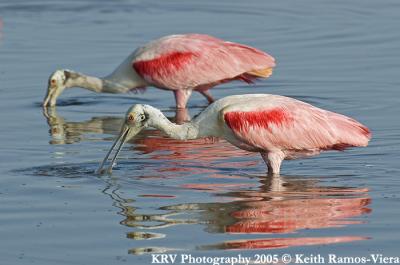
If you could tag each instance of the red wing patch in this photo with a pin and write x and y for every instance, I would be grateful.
(242, 120)
(164, 65)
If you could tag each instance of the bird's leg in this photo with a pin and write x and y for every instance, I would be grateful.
(207, 95)
(181, 97)
(182, 116)
(273, 161)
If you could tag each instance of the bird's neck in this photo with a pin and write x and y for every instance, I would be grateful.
(92, 83)
(186, 131)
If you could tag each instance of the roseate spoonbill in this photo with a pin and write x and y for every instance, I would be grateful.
(277, 127)
(181, 63)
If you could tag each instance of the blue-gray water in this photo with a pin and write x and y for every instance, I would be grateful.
(199, 197)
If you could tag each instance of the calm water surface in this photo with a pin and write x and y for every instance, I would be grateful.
(202, 197)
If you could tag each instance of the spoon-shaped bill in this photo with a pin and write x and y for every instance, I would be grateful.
(46, 100)
(126, 134)
(123, 132)
(109, 170)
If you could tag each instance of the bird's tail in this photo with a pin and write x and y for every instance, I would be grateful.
(350, 132)
(250, 77)
(263, 73)
(258, 62)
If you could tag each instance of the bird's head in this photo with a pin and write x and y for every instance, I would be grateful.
(137, 118)
(56, 85)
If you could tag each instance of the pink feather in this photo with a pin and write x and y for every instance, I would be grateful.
(294, 126)
(196, 61)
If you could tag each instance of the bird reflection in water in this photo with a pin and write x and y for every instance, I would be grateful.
(273, 208)
(67, 132)
(279, 206)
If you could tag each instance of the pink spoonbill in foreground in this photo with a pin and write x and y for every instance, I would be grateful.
(275, 126)
(180, 63)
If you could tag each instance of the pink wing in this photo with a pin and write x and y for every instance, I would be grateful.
(293, 125)
(194, 61)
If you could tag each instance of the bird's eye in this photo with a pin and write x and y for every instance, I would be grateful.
(142, 117)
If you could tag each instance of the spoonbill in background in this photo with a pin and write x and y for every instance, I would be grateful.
(180, 63)
(277, 127)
